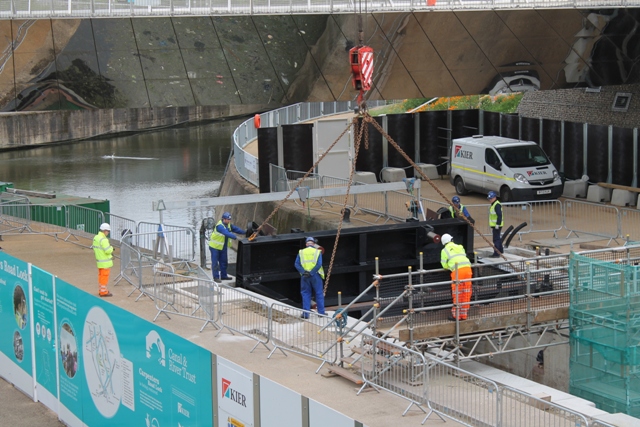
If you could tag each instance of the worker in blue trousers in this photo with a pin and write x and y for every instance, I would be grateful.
(309, 265)
(496, 222)
(219, 241)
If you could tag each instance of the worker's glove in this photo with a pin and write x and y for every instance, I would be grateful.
(497, 227)
(306, 274)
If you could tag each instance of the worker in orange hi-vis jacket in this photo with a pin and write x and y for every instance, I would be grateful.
(104, 258)
(453, 258)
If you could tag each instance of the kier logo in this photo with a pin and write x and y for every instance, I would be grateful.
(463, 154)
(232, 394)
(534, 173)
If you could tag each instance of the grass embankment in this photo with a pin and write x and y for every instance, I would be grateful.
(507, 103)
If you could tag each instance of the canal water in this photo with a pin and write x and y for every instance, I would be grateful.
(131, 171)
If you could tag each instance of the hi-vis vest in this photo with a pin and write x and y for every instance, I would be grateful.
(493, 216)
(453, 211)
(216, 241)
(309, 258)
(453, 256)
(103, 250)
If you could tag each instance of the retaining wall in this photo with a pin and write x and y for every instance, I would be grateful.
(19, 130)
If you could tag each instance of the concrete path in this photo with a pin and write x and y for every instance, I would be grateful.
(18, 410)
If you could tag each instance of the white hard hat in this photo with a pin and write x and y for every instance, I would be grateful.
(446, 238)
(105, 226)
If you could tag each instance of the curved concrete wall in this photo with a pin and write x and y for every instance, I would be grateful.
(186, 61)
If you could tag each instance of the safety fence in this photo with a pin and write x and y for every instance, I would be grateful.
(576, 217)
(314, 337)
(189, 295)
(245, 313)
(437, 387)
(22, 9)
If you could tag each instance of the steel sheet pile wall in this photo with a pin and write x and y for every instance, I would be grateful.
(605, 354)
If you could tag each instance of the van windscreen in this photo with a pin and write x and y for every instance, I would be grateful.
(523, 156)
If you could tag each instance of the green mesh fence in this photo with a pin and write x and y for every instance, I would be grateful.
(605, 330)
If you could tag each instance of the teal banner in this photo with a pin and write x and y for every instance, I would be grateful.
(45, 330)
(15, 318)
(119, 369)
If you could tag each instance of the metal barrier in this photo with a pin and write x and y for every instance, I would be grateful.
(591, 218)
(394, 368)
(462, 396)
(120, 226)
(172, 241)
(522, 409)
(629, 224)
(83, 222)
(184, 295)
(314, 337)
(245, 313)
(17, 218)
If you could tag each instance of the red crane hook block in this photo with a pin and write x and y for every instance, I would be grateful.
(361, 62)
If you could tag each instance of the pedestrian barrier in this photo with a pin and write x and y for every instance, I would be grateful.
(462, 396)
(629, 224)
(592, 219)
(522, 409)
(185, 295)
(83, 222)
(166, 241)
(394, 368)
(120, 226)
(244, 313)
(19, 218)
(313, 337)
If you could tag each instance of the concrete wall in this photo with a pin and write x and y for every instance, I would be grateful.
(19, 130)
(554, 373)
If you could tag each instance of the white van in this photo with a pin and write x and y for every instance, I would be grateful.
(516, 170)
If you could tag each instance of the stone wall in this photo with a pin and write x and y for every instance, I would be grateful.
(20, 130)
(582, 106)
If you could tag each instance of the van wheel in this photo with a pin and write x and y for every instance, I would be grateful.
(459, 184)
(506, 195)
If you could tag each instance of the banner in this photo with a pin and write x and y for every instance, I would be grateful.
(235, 395)
(118, 369)
(45, 338)
(16, 321)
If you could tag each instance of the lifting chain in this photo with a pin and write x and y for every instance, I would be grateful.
(368, 119)
(358, 131)
(322, 156)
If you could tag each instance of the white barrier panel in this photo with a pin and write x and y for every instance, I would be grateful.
(591, 218)
(244, 313)
(315, 336)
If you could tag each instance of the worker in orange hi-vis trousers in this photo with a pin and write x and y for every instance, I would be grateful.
(454, 259)
(103, 250)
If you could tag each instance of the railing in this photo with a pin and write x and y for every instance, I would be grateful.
(22, 9)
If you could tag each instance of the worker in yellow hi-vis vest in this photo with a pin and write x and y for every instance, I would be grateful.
(309, 265)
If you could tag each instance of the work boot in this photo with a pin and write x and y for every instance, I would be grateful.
(108, 294)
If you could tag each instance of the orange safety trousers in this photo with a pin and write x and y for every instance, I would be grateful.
(103, 279)
(461, 293)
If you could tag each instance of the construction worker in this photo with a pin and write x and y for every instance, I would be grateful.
(219, 241)
(496, 221)
(454, 214)
(309, 265)
(453, 258)
(103, 251)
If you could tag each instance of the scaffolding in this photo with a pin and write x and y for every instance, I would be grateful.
(604, 318)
